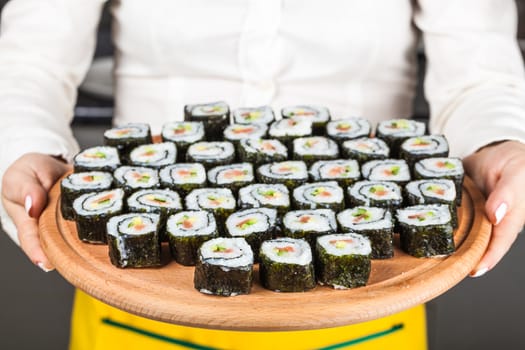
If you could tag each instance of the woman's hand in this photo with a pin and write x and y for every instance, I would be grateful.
(24, 195)
(499, 171)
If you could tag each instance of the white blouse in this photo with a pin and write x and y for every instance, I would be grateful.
(356, 57)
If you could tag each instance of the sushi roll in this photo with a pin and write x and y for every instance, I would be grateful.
(309, 224)
(182, 134)
(133, 240)
(73, 185)
(219, 201)
(289, 173)
(237, 132)
(274, 196)
(426, 230)
(232, 176)
(183, 177)
(126, 137)
(256, 115)
(442, 168)
(224, 267)
(154, 155)
(254, 225)
(319, 195)
(285, 130)
(433, 191)
(286, 265)
(373, 222)
(343, 260)
(393, 170)
(344, 171)
(319, 116)
(132, 178)
(314, 148)
(211, 154)
(395, 131)
(421, 147)
(348, 129)
(187, 231)
(99, 158)
(92, 212)
(365, 149)
(215, 117)
(381, 194)
(260, 151)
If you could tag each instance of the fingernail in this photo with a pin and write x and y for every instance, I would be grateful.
(28, 204)
(479, 272)
(43, 267)
(500, 212)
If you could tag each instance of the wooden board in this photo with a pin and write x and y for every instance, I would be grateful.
(167, 293)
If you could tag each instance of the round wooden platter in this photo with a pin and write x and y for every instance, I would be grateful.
(167, 293)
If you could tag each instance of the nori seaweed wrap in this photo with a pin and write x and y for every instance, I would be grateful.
(421, 147)
(314, 148)
(224, 267)
(343, 260)
(274, 196)
(289, 173)
(393, 170)
(182, 134)
(126, 137)
(319, 195)
(133, 178)
(133, 240)
(211, 154)
(365, 149)
(286, 265)
(344, 171)
(260, 151)
(219, 201)
(319, 116)
(381, 194)
(215, 116)
(99, 158)
(154, 155)
(395, 131)
(183, 177)
(253, 115)
(232, 176)
(442, 168)
(348, 129)
(309, 224)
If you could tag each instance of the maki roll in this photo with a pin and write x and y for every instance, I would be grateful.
(254, 225)
(126, 137)
(343, 260)
(219, 201)
(154, 155)
(133, 240)
(289, 173)
(373, 222)
(365, 149)
(393, 170)
(344, 171)
(100, 158)
(92, 212)
(215, 117)
(237, 132)
(232, 176)
(381, 194)
(224, 267)
(319, 195)
(348, 129)
(211, 154)
(426, 230)
(442, 168)
(285, 130)
(433, 191)
(260, 151)
(187, 231)
(256, 115)
(421, 147)
(309, 224)
(317, 115)
(132, 178)
(395, 131)
(265, 195)
(76, 184)
(286, 265)
(183, 177)
(182, 134)
(314, 148)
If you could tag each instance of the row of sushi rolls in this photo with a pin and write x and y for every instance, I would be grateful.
(310, 199)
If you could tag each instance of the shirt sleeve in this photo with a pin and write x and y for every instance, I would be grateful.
(475, 80)
(46, 47)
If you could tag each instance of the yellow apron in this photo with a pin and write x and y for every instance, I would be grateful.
(97, 326)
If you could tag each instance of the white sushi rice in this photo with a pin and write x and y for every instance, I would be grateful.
(125, 224)
(374, 219)
(439, 166)
(214, 149)
(315, 145)
(226, 252)
(235, 132)
(157, 154)
(203, 223)
(147, 198)
(266, 146)
(136, 177)
(210, 198)
(126, 131)
(291, 169)
(430, 188)
(364, 190)
(316, 114)
(298, 251)
(290, 127)
(256, 115)
(319, 220)
(345, 244)
(183, 173)
(329, 169)
(427, 144)
(183, 131)
(227, 174)
(368, 145)
(386, 170)
(401, 127)
(261, 220)
(257, 195)
(88, 180)
(349, 128)
(99, 156)
(424, 215)
(319, 192)
(96, 203)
